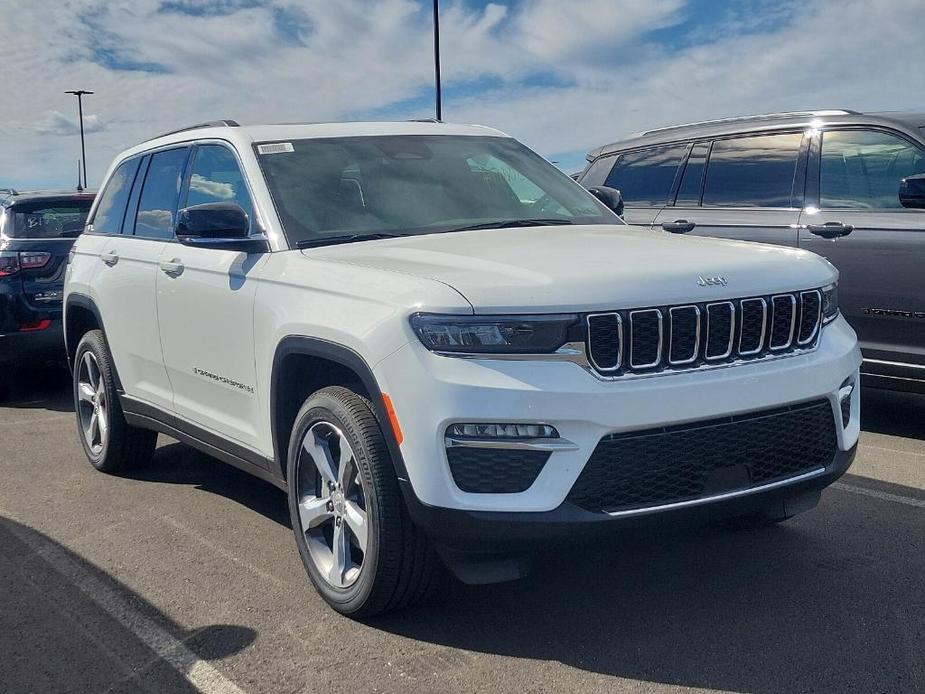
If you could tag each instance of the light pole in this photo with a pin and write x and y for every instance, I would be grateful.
(437, 57)
(80, 112)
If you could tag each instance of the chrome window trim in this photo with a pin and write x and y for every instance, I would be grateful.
(661, 338)
(619, 337)
(764, 325)
(818, 321)
(793, 319)
(732, 324)
(696, 351)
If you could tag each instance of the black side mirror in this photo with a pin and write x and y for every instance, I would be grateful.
(221, 225)
(912, 191)
(611, 198)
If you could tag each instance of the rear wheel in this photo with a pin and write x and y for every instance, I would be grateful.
(108, 441)
(358, 545)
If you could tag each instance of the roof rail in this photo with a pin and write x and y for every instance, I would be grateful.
(758, 116)
(8, 191)
(224, 123)
(423, 120)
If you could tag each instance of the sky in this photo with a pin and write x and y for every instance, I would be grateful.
(562, 76)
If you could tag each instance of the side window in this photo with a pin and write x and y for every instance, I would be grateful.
(598, 171)
(861, 169)
(111, 209)
(157, 207)
(646, 176)
(691, 181)
(216, 177)
(752, 171)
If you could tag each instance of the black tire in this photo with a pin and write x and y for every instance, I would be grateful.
(399, 565)
(124, 446)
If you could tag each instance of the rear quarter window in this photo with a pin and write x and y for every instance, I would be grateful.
(645, 176)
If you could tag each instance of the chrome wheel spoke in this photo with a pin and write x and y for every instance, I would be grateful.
(340, 556)
(356, 520)
(102, 422)
(85, 392)
(92, 429)
(345, 463)
(320, 453)
(313, 512)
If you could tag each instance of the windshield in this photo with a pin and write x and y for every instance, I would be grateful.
(377, 186)
(48, 219)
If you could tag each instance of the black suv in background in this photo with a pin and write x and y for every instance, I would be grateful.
(849, 186)
(37, 231)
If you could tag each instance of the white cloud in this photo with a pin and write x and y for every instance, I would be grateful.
(305, 60)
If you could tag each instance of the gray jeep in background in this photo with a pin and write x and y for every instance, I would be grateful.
(849, 186)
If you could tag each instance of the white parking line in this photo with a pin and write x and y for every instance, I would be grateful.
(196, 671)
(907, 500)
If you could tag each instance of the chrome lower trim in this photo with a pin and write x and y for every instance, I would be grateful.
(904, 364)
(718, 497)
(512, 444)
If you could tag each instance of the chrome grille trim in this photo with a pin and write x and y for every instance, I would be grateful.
(696, 352)
(661, 339)
(620, 342)
(818, 322)
(732, 324)
(793, 319)
(764, 326)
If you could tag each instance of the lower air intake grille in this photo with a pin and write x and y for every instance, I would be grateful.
(494, 470)
(670, 465)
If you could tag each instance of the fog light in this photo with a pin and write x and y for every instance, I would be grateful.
(502, 431)
(844, 402)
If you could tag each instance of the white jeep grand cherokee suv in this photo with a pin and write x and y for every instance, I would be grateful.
(445, 349)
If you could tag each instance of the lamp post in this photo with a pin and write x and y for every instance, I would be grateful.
(80, 112)
(439, 108)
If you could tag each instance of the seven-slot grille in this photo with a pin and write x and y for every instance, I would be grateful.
(691, 335)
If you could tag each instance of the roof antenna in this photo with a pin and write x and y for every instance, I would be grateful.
(79, 187)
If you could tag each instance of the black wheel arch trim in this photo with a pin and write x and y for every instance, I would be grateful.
(347, 357)
(85, 302)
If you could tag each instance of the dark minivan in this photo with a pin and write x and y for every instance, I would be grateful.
(37, 231)
(849, 186)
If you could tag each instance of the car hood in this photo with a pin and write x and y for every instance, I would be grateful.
(587, 268)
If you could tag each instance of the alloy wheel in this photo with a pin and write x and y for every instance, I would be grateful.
(92, 407)
(332, 504)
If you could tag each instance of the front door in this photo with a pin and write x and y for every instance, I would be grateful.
(855, 182)
(205, 311)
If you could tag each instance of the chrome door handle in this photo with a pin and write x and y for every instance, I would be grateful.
(830, 230)
(679, 226)
(110, 258)
(171, 268)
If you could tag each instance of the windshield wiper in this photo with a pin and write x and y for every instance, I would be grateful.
(346, 238)
(510, 223)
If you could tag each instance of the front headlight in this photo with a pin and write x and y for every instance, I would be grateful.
(494, 334)
(829, 303)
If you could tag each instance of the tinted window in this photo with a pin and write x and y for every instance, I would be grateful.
(48, 219)
(752, 171)
(111, 209)
(158, 205)
(417, 184)
(598, 171)
(863, 168)
(216, 177)
(646, 176)
(689, 190)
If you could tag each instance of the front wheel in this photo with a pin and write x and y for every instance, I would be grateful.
(358, 545)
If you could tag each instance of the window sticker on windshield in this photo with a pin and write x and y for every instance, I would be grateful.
(275, 148)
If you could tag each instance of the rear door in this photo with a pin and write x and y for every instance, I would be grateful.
(746, 187)
(855, 176)
(125, 283)
(206, 313)
(643, 176)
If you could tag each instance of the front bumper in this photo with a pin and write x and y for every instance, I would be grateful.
(429, 392)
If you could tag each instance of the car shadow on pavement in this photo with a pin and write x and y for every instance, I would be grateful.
(177, 463)
(893, 413)
(68, 626)
(811, 605)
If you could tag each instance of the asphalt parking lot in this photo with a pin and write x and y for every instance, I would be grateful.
(184, 576)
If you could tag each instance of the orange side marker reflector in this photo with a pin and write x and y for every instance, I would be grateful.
(393, 420)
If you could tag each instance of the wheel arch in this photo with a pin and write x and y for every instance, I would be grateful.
(82, 315)
(302, 365)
